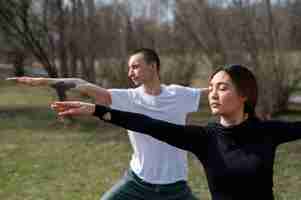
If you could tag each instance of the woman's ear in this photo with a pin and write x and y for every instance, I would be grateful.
(243, 99)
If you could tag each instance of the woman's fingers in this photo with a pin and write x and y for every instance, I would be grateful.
(64, 108)
(67, 104)
(71, 111)
(58, 108)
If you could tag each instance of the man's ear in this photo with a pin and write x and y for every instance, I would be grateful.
(154, 67)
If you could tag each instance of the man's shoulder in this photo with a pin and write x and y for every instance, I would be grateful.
(137, 89)
(174, 87)
(179, 88)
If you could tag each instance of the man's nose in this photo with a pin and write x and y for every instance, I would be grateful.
(130, 73)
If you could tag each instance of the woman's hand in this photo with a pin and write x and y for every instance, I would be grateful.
(73, 108)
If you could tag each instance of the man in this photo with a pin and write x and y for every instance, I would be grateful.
(157, 170)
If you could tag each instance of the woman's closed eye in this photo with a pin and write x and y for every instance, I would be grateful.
(223, 87)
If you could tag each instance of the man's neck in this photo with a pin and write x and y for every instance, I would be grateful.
(153, 88)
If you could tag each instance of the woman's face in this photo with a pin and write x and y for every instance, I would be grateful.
(224, 100)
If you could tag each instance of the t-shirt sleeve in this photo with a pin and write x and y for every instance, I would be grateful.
(189, 97)
(121, 99)
(281, 132)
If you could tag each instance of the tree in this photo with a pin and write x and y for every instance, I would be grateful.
(19, 23)
(245, 32)
(24, 26)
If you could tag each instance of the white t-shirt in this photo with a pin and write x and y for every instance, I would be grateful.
(152, 160)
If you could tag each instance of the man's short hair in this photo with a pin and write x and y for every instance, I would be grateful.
(150, 56)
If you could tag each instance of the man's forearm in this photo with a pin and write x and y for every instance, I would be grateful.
(75, 81)
(101, 95)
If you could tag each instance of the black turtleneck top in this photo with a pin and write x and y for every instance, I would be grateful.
(238, 160)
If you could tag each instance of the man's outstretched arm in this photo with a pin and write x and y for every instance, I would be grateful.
(101, 95)
(203, 98)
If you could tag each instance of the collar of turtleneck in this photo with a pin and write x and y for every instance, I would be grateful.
(236, 128)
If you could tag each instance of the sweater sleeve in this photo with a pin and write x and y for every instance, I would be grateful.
(185, 137)
(282, 132)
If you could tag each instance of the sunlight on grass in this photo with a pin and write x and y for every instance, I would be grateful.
(18, 96)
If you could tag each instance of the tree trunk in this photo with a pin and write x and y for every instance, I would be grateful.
(62, 40)
(18, 63)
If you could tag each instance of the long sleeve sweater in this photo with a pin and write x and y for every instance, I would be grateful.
(238, 160)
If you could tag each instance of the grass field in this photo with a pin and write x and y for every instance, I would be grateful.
(42, 158)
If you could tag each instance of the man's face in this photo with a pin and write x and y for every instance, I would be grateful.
(139, 71)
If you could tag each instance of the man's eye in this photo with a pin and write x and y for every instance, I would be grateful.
(133, 67)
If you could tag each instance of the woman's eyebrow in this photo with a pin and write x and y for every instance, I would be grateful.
(224, 83)
(220, 83)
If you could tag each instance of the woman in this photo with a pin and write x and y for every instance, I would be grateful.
(237, 153)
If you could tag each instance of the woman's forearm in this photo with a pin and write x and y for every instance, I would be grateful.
(183, 137)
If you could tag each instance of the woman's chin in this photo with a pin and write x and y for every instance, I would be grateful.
(214, 111)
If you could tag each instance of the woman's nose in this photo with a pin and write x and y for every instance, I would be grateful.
(213, 94)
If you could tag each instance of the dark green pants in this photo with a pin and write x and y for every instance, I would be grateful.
(131, 187)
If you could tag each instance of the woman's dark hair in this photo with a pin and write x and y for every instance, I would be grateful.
(245, 83)
(150, 56)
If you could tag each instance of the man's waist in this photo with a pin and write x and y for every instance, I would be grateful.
(160, 176)
(178, 183)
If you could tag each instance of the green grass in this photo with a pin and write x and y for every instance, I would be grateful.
(42, 158)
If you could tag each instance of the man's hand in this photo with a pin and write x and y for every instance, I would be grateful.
(31, 81)
(73, 108)
(66, 83)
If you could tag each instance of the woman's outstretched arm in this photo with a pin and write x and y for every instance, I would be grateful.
(189, 138)
(282, 131)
